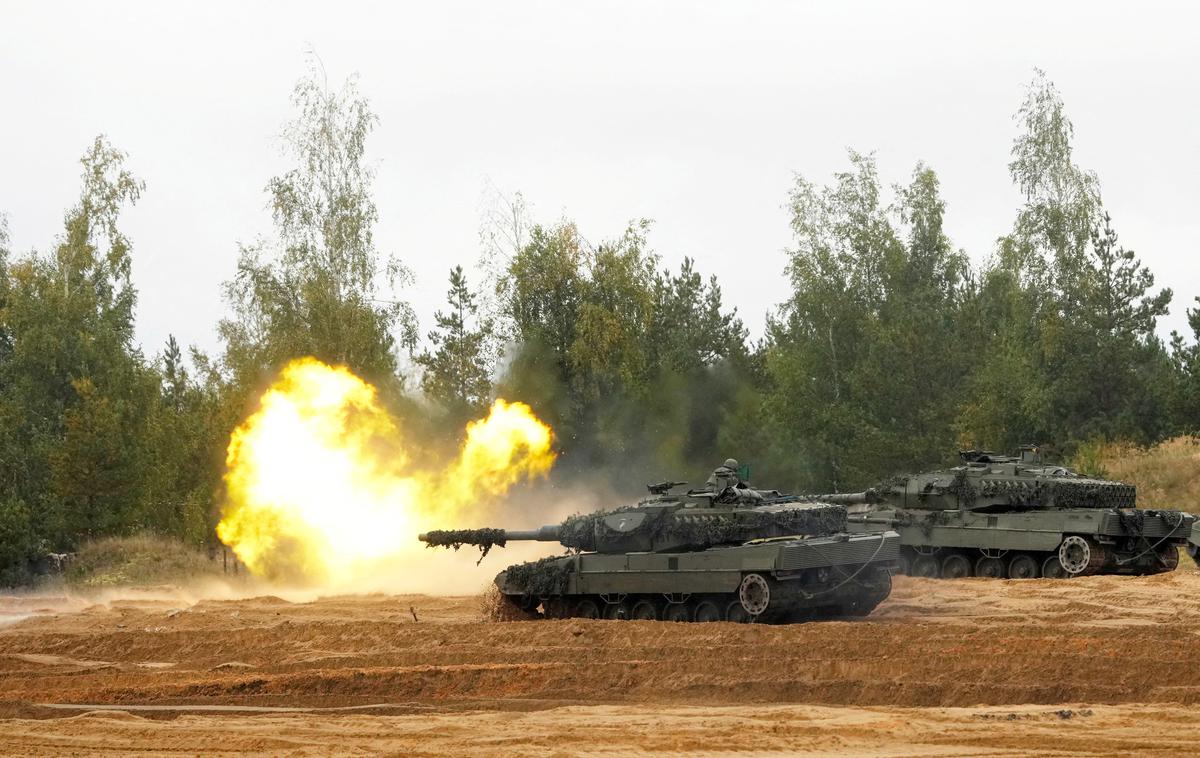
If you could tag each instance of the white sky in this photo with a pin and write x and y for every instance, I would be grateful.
(693, 114)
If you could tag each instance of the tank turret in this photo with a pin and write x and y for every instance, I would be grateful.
(989, 482)
(735, 554)
(665, 523)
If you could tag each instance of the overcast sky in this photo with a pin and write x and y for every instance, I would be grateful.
(695, 115)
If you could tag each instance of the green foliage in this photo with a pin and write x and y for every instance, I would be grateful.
(1110, 369)
(74, 388)
(142, 559)
(187, 431)
(17, 542)
(85, 435)
(1089, 459)
(1185, 360)
(456, 370)
(863, 358)
(891, 349)
(633, 366)
(1066, 316)
(318, 287)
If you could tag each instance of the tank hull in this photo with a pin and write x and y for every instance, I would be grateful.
(1082, 540)
(778, 580)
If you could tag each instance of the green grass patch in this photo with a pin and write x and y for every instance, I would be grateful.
(139, 560)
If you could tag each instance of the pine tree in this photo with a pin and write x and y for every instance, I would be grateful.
(1185, 359)
(456, 370)
(174, 374)
(1107, 382)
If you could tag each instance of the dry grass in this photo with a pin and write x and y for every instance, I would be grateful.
(138, 560)
(1167, 475)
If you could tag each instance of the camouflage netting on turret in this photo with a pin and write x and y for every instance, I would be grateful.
(702, 527)
(974, 492)
(1061, 493)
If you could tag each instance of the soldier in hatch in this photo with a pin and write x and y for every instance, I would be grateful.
(728, 484)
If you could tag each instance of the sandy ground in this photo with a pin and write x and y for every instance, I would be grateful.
(1094, 666)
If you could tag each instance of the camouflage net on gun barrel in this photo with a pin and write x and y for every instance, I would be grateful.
(484, 539)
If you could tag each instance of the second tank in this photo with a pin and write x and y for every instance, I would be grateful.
(1014, 516)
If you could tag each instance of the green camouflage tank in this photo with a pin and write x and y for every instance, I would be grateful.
(741, 555)
(1014, 516)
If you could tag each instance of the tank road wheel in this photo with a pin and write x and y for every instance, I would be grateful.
(1022, 566)
(587, 609)
(989, 567)
(707, 611)
(677, 612)
(556, 608)
(754, 594)
(644, 610)
(872, 592)
(616, 611)
(735, 613)
(1052, 568)
(926, 566)
(956, 566)
(1079, 555)
(1168, 559)
(527, 603)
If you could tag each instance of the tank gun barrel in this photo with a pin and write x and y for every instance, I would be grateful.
(487, 538)
(849, 498)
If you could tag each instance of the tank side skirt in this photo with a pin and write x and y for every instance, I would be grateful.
(981, 538)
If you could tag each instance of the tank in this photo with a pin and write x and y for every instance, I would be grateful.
(699, 556)
(1013, 516)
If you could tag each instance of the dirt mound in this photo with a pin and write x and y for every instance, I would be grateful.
(993, 652)
(494, 606)
(934, 643)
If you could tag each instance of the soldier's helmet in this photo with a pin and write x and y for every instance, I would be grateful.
(731, 463)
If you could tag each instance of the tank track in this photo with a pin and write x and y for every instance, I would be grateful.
(957, 563)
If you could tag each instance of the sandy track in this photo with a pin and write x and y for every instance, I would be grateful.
(632, 730)
(964, 667)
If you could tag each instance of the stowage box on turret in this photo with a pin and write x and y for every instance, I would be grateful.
(730, 555)
(1003, 516)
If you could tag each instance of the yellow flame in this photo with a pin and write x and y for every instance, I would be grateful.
(321, 481)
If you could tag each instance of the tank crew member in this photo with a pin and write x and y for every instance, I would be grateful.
(725, 476)
(728, 485)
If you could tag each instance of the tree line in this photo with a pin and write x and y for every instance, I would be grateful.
(892, 350)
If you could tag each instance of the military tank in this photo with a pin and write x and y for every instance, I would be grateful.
(737, 555)
(1001, 516)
